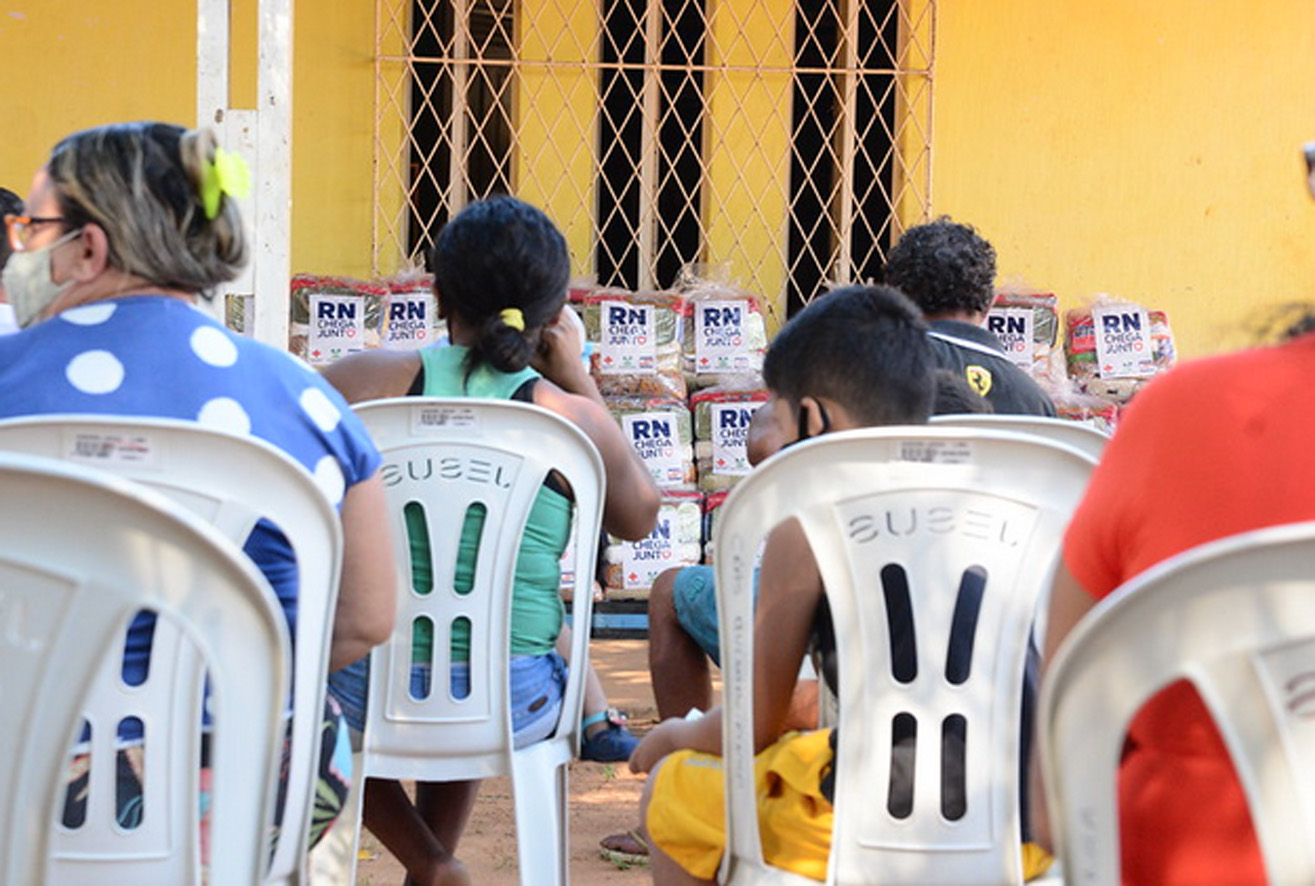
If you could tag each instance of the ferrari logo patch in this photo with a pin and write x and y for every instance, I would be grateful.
(979, 378)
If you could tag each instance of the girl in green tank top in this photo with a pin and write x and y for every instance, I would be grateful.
(536, 603)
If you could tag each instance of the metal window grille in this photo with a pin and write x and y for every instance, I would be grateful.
(775, 145)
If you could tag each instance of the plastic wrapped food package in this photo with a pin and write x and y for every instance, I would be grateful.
(727, 336)
(1027, 325)
(1087, 408)
(567, 589)
(676, 540)
(660, 431)
(1113, 347)
(331, 316)
(721, 430)
(410, 318)
(636, 342)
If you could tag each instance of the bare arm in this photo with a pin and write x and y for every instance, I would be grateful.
(1069, 602)
(373, 374)
(790, 592)
(367, 602)
(632, 499)
(366, 593)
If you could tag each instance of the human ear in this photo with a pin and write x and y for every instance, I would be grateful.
(93, 255)
(812, 417)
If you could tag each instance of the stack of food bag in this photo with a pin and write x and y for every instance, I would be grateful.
(331, 317)
(648, 351)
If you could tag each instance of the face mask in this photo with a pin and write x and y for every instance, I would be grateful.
(27, 281)
(802, 420)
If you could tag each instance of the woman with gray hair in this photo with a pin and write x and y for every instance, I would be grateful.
(125, 228)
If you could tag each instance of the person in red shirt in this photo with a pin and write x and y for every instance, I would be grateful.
(1215, 447)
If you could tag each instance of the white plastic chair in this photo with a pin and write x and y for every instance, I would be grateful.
(972, 520)
(231, 482)
(81, 552)
(1081, 436)
(447, 456)
(1234, 617)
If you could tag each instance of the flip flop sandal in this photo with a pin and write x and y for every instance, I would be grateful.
(625, 850)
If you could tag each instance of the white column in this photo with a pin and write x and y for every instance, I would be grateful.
(263, 136)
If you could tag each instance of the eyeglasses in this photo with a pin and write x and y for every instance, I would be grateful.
(20, 228)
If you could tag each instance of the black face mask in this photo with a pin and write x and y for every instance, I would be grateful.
(803, 426)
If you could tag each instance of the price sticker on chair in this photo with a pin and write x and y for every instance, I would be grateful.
(937, 452)
(434, 418)
(100, 448)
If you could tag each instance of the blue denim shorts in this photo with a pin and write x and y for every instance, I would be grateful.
(537, 685)
(694, 594)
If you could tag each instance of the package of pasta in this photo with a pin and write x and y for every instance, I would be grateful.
(660, 431)
(331, 317)
(1113, 347)
(721, 434)
(1027, 325)
(636, 339)
(727, 335)
(676, 540)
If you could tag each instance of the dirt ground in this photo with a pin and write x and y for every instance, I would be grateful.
(604, 797)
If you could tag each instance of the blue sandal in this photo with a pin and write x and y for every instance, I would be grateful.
(614, 744)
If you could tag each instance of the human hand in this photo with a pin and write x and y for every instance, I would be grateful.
(561, 344)
(662, 739)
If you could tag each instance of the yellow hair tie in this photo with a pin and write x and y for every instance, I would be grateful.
(226, 174)
(513, 318)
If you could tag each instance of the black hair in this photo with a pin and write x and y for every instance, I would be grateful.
(954, 396)
(10, 204)
(945, 267)
(865, 347)
(497, 254)
(1275, 324)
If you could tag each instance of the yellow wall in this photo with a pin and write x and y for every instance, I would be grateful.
(553, 107)
(747, 145)
(1147, 150)
(88, 62)
(76, 64)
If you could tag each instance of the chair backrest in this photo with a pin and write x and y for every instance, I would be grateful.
(927, 539)
(1236, 618)
(81, 552)
(1081, 436)
(443, 459)
(230, 482)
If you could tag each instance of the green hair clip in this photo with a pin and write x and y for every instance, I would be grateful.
(226, 174)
